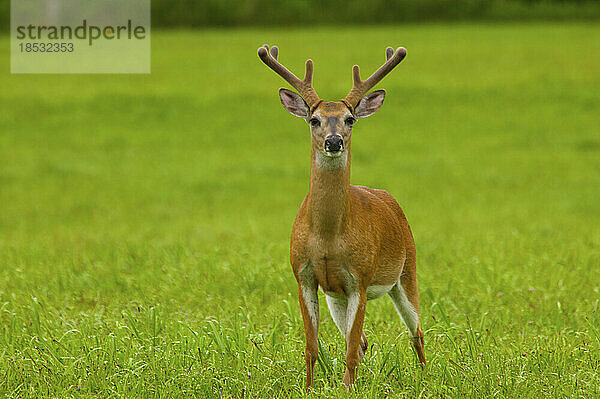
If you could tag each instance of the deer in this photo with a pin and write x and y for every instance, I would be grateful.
(352, 242)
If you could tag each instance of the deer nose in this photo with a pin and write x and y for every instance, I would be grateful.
(333, 144)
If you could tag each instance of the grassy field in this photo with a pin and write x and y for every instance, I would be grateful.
(144, 220)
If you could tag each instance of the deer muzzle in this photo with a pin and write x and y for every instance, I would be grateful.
(334, 144)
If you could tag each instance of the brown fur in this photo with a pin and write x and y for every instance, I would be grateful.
(343, 227)
(346, 238)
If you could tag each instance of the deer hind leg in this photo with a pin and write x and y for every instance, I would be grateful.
(405, 298)
(338, 308)
(309, 306)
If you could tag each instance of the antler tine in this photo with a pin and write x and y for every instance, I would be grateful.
(361, 87)
(388, 53)
(304, 86)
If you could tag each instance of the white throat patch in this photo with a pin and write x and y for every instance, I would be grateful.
(325, 161)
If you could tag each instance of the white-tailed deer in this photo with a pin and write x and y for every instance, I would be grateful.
(351, 241)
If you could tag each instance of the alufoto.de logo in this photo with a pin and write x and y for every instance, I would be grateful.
(85, 31)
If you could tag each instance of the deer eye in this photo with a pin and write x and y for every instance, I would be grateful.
(350, 121)
(314, 122)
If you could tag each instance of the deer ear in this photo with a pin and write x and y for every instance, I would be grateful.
(293, 103)
(370, 103)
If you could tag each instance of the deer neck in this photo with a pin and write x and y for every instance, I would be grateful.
(329, 194)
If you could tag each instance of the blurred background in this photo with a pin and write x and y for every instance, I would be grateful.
(198, 14)
(145, 219)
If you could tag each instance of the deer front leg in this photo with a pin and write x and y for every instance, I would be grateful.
(309, 305)
(357, 303)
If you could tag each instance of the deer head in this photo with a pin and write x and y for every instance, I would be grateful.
(331, 122)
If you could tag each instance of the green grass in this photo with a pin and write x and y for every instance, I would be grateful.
(144, 220)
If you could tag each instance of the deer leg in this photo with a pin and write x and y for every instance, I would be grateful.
(408, 309)
(355, 317)
(338, 307)
(309, 306)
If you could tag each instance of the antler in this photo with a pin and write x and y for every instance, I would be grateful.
(304, 86)
(361, 87)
